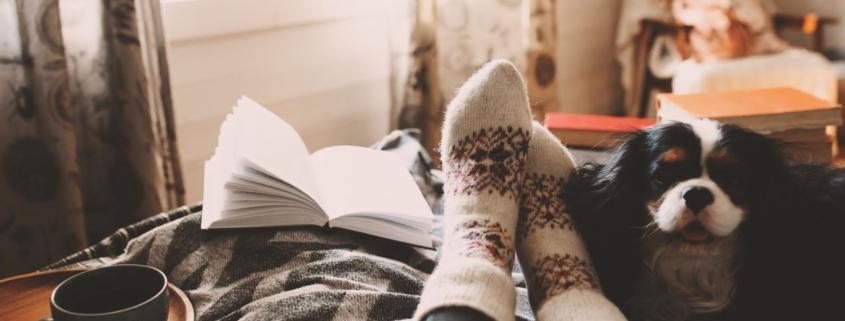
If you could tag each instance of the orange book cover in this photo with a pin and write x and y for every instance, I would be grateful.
(744, 103)
(596, 123)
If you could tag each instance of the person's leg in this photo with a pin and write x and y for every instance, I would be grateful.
(485, 141)
(562, 284)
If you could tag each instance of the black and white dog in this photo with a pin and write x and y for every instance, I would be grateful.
(704, 221)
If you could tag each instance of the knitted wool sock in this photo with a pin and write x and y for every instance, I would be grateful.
(562, 284)
(485, 140)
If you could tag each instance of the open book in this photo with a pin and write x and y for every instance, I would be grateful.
(262, 175)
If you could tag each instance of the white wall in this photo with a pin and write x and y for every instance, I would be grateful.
(588, 74)
(322, 65)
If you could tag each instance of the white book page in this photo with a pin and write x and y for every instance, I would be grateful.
(274, 147)
(212, 202)
(357, 180)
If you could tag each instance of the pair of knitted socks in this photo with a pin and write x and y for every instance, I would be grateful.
(503, 180)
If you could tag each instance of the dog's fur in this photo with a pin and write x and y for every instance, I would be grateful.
(774, 241)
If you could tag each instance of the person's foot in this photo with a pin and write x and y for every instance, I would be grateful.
(562, 284)
(486, 134)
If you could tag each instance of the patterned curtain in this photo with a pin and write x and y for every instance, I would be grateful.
(450, 39)
(86, 125)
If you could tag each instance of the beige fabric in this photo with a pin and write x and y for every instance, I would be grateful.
(450, 39)
(472, 32)
(797, 68)
(541, 69)
(417, 103)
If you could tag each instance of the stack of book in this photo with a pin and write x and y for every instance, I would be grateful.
(593, 131)
(802, 122)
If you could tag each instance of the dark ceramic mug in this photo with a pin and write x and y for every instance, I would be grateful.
(116, 292)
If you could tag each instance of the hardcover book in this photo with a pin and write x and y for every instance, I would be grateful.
(763, 110)
(593, 131)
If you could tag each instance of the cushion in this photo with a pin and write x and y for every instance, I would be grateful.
(798, 68)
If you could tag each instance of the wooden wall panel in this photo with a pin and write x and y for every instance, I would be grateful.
(322, 65)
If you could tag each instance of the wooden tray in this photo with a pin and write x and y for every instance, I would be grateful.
(27, 297)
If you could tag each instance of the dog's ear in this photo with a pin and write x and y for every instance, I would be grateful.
(607, 203)
(767, 164)
(791, 221)
(598, 185)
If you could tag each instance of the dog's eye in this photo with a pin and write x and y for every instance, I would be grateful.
(665, 174)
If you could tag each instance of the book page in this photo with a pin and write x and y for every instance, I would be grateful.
(357, 180)
(271, 145)
(212, 202)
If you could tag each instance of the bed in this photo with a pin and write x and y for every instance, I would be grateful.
(300, 273)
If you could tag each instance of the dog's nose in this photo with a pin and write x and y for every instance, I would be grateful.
(697, 198)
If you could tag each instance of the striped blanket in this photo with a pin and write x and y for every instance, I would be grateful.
(301, 273)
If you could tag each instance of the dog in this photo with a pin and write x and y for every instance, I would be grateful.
(708, 221)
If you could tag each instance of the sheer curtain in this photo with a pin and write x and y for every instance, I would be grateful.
(86, 130)
(450, 39)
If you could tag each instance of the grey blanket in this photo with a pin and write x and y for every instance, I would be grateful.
(302, 273)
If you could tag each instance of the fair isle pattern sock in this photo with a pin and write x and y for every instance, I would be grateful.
(486, 133)
(562, 284)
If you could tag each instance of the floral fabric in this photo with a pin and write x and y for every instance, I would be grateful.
(86, 136)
